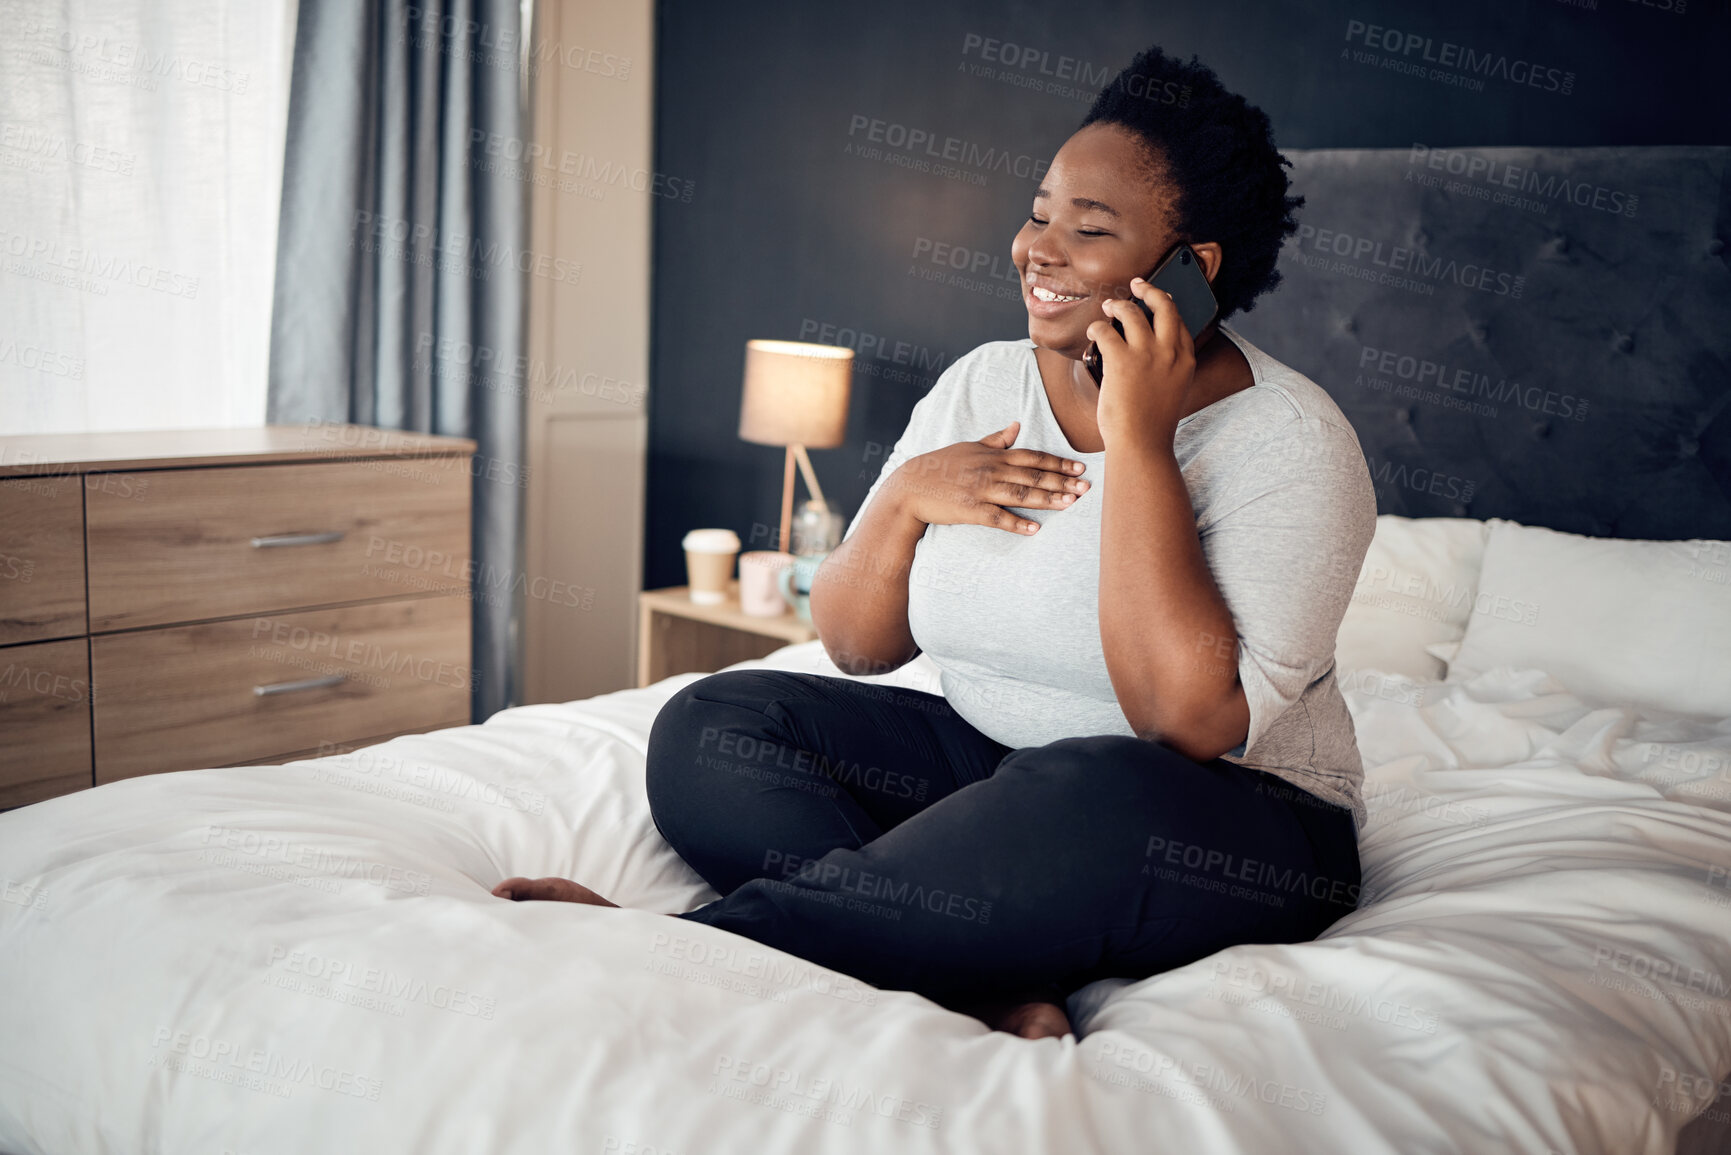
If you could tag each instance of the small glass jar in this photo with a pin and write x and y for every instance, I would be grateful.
(816, 529)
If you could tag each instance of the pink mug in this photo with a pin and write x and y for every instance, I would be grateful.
(759, 588)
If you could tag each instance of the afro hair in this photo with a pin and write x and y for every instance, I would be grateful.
(1216, 151)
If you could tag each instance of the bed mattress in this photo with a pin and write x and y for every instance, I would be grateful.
(307, 958)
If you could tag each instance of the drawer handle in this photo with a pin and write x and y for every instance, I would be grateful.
(303, 684)
(281, 539)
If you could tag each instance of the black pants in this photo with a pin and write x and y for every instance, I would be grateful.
(874, 831)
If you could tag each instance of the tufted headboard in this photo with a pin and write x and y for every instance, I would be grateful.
(1537, 334)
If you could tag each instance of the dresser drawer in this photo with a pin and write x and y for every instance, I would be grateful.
(221, 693)
(41, 558)
(44, 720)
(178, 545)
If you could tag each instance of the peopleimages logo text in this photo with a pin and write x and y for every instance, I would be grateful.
(926, 142)
(1447, 54)
(1472, 166)
(1413, 260)
(1425, 373)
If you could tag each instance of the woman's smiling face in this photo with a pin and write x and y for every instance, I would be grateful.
(1097, 221)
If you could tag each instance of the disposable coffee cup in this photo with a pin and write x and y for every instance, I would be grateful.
(709, 555)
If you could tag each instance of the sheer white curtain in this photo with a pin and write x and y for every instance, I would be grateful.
(141, 151)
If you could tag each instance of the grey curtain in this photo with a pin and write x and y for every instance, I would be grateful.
(401, 258)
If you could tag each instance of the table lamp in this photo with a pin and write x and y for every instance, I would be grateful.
(796, 394)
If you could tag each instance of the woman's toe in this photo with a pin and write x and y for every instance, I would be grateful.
(537, 889)
(548, 890)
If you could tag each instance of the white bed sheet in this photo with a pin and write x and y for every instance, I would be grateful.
(287, 960)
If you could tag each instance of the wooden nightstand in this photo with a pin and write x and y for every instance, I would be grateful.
(677, 636)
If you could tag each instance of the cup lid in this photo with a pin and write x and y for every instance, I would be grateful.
(712, 541)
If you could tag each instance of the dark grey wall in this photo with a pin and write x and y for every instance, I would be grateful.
(790, 231)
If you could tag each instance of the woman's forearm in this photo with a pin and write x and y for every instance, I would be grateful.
(1170, 646)
(859, 595)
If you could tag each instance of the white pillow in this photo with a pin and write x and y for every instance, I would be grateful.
(1444, 651)
(1644, 623)
(1415, 589)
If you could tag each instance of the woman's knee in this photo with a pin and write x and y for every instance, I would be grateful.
(690, 756)
(717, 711)
(680, 727)
(673, 756)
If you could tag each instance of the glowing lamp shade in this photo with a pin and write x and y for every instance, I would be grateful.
(796, 394)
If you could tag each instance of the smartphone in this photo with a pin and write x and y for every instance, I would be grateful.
(1179, 273)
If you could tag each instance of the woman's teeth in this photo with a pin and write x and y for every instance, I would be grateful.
(1049, 295)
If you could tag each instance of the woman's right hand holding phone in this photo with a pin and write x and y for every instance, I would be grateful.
(971, 483)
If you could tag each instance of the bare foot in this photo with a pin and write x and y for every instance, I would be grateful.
(1031, 1019)
(548, 889)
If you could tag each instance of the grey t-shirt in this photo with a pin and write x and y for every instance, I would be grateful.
(1284, 512)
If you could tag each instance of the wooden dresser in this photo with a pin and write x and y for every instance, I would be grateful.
(193, 598)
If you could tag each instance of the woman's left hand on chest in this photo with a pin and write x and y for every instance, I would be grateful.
(1147, 371)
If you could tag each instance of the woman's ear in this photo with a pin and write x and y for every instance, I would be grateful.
(1209, 254)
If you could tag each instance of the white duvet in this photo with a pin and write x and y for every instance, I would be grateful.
(306, 959)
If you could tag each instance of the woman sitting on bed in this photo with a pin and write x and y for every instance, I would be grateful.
(1132, 591)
